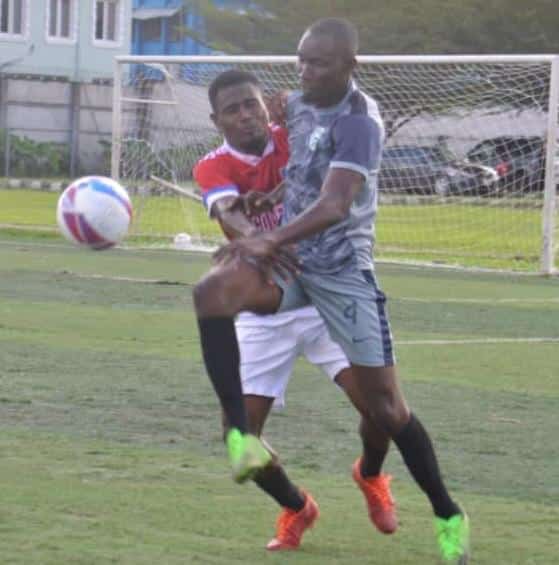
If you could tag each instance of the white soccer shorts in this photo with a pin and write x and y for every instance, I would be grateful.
(269, 346)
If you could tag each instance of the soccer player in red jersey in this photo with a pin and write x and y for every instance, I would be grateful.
(250, 161)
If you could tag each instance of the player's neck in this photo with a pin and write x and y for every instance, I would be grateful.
(257, 148)
(333, 98)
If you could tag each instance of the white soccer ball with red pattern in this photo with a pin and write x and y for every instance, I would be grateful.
(94, 212)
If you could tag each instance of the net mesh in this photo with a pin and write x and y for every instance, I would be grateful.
(463, 169)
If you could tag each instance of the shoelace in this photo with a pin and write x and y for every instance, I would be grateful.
(449, 540)
(379, 489)
(285, 526)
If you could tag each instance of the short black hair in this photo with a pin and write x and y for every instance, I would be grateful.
(339, 29)
(231, 77)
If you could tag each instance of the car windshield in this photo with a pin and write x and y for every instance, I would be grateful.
(435, 154)
(504, 148)
(407, 155)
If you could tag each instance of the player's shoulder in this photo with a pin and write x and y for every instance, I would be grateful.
(359, 112)
(218, 158)
(359, 103)
(215, 155)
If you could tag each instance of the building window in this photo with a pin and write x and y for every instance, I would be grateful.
(107, 20)
(62, 19)
(12, 17)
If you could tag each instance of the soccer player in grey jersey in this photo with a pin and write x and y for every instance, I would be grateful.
(321, 139)
(336, 139)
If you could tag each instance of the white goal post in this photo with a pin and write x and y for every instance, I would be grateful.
(470, 168)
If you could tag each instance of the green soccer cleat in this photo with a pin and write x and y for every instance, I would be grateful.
(247, 455)
(453, 536)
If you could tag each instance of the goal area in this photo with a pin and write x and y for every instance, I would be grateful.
(470, 166)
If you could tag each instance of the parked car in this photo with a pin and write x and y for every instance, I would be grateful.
(427, 170)
(519, 161)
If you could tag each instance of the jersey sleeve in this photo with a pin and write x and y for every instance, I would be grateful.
(214, 180)
(357, 144)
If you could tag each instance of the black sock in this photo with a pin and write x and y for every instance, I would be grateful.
(371, 462)
(418, 453)
(273, 480)
(221, 357)
(375, 447)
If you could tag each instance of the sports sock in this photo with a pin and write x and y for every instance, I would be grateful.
(418, 453)
(371, 462)
(273, 480)
(375, 447)
(221, 357)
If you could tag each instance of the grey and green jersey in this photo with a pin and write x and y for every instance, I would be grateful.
(349, 135)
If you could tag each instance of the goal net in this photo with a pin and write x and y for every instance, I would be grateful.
(469, 169)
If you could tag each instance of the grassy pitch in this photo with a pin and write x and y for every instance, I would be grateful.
(111, 449)
(496, 234)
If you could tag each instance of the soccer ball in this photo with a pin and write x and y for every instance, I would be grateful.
(94, 212)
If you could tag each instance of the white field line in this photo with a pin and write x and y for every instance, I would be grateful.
(123, 279)
(479, 300)
(402, 298)
(486, 341)
(445, 342)
(551, 300)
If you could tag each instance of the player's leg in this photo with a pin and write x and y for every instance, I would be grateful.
(299, 510)
(268, 352)
(366, 470)
(353, 307)
(379, 387)
(321, 350)
(227, 289)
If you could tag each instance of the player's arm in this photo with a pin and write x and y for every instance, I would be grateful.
(276, 196)
(219, 192)
(231, 218)
(277, 106)
(254, 203)
(358, 146)
(338, 192)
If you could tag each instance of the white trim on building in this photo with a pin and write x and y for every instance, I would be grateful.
(62, 26)
(112, 23)
(9, 21)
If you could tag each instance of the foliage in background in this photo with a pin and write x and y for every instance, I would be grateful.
(30, 158)
(403, 27)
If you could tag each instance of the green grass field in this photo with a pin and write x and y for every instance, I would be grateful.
(495, 234)
(110, 449)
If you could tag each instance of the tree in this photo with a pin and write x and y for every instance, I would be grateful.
(410, 27)
(386, 26)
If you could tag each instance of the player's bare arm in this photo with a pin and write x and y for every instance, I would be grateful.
(339, 190)
(277, 106)
(254, 203)
(232, 218)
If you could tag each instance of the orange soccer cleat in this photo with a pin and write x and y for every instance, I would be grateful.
(292, 525)
(380, 503)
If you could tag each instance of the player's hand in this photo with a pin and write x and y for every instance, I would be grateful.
(252, 203)
(263, 251)
(277, 107)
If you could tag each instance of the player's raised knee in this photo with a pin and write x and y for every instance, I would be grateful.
(211, 296)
